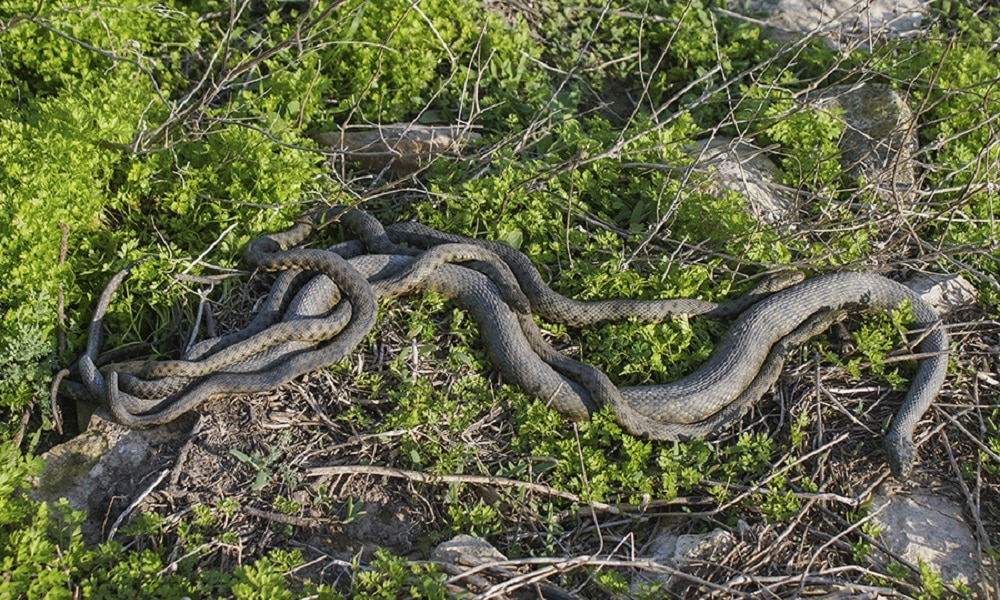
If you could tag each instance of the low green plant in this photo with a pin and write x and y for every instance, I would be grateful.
(394, 577)
(353, 511)
(861, 549)
(808, 139)
(779, 504)
(286, 506)
(930, 580)
(472, 518)
(265, 578)
(797, 433)
(897, 570)
(43, 555)
(877, 336)
(612, 582)
(179, 130)
(266, 465)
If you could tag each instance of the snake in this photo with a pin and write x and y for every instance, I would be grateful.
(763, 320)
(523, 362)
(502, 289)
(260, 339)
(322, 325)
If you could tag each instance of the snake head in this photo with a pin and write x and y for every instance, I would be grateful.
(901, 451)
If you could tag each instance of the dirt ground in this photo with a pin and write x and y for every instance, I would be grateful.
(286, 470)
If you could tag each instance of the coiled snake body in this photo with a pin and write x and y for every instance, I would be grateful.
(312, 320)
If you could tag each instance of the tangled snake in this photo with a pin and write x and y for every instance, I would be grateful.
(324, 302)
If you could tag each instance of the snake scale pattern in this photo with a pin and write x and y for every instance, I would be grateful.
(324, 302)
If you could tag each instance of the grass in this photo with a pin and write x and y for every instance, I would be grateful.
(183, 129)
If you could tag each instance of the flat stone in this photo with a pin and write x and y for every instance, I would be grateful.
(741, 167)
(930, 528)
(89, 468)
(945, 292)
(68, 467)
(466, 550)
(677, 551)
(879, 138)
(850, 23)
(692, 547)
(397, 147)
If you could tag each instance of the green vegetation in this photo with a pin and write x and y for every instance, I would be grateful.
(185, 128)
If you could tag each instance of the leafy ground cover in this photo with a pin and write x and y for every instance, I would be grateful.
(183, 129)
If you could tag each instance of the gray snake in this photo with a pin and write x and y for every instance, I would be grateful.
(305, 326)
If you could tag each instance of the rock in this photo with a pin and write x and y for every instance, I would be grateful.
(847, 23)
(946, 293)
(677, 551)
(90, 468)
(740, 167)
(879, 138)
(464, 552)
(876, 148)
(929, 528)
(67, 470)
(400, 148)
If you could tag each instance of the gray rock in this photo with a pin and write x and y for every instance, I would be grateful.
(946, 293)
(466, 550)
(740, 167)
(930, 528)
(678, 551)
(68, 470)
(88, 469)
(879, 138)
(401, 148)
(850, 23)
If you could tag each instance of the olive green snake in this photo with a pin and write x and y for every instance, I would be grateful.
(324, 302)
